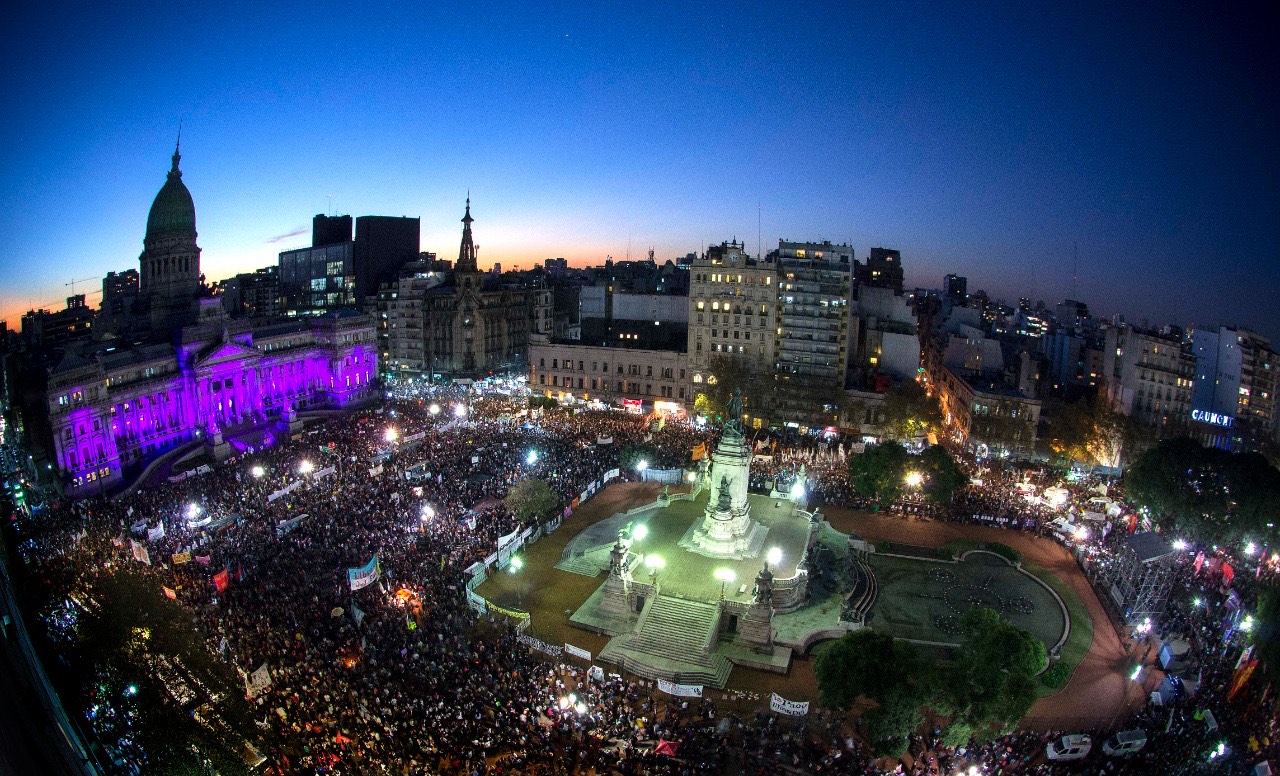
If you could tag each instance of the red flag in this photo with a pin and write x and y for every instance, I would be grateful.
(666, 747)
(1228, 574)
(222, 580)
(1241, 676)
(169, 592)
(341, 739)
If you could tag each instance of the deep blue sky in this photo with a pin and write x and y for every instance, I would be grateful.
(984, 141)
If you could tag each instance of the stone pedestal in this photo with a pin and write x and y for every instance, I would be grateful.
(756, 627)
(614, 598)
(216, 446)
(727, 530)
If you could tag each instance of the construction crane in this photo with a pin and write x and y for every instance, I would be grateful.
(72, 284)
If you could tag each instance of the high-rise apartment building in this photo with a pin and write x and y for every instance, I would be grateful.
(955, 288)
(732, 310)
(1148, 376)
(883, 269)
(813, 290)
(339, 271)
(1234, 401)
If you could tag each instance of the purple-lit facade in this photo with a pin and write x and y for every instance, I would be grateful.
(113, 412)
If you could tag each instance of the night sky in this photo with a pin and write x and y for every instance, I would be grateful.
(985, 142)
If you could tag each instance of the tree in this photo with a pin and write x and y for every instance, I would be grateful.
(991, 684)
(1205, 493)
(878, 473)
(1266, 635)
(726, 373)
(943, 476)
(867, 663)
(889, 726)
(1069, 430)
(530, 500)
(631, 455)
(908, 411)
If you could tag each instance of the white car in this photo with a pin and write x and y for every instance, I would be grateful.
(1073, 747)
(1125, 742)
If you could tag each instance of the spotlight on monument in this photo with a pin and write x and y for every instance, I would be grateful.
(531, 458)
(306, 467)
(639, 532)
(914, 479)
(434, 409)
(774, 556)
(459, 410)
(258, 472)
(1179, 544)
(641, 466)
(391, 435)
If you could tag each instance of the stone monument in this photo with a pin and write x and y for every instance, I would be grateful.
(727, 530)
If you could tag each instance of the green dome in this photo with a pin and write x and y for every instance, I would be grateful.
(173, 213)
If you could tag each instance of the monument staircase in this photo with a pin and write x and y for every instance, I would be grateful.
(864, 593)
(675, 639)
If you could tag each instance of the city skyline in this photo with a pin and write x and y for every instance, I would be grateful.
(983, 147)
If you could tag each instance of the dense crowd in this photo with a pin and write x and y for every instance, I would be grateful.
(399, 677)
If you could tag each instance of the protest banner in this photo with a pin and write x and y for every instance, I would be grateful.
(365, 575)
(140, 553)
(790, 708)
(681, 690)
(577, 652)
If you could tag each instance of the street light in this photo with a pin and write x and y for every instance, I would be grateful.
(653, 563)
(797, 490)
(774, 556)
(531, 458)
(193, 511)
(1251, 549)
(391, 435)
(459, 411)
(725, 576)
(434, 409)
(258, 472)
(639, 532)
(514, 570)
(428, 512)
(1179, 544)
(641, 466)
(914, 479)
(306, 467)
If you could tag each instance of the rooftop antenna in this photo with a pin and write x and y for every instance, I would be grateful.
(1075, 269)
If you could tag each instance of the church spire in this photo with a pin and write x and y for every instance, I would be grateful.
(467, 252)
(174, 172)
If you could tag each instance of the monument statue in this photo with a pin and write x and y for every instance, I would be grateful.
(733, 414)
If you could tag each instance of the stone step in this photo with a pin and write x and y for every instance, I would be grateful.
(675, 628)
(581, 564)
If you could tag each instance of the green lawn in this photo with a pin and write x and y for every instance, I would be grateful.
(1081, 636)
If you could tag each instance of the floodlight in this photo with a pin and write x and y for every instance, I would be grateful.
(639, 532)
(642, 465)
(459, 410)
(434, 409)
(391, 435)
(774, 556)
(1179, 544)
(914, 479)
(306, 467)
(258, 472)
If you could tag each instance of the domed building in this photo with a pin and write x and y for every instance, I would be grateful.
(170, 260)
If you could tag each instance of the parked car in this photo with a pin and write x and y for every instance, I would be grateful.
(1125, 742)
(1073, 747)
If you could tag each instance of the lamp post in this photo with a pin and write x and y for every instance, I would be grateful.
(654, 563)
(514, 570)
(725, 576)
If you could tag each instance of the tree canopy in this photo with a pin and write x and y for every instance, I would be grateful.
(1205, 493)
(943, 477)
(991, 684)
(908, 411)
(530, 500)
(1266, 635)
(878, 473)
(879, 667)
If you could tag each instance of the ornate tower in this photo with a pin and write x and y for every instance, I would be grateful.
(170, 260)
(467, 278)
(727, 530)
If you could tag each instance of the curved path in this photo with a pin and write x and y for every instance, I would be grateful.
(1100, 688)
